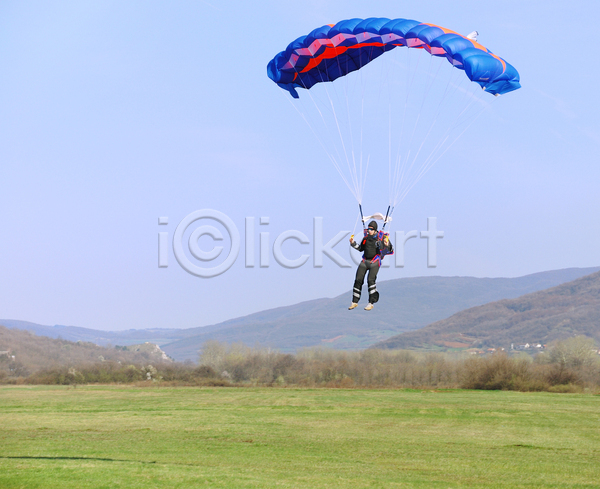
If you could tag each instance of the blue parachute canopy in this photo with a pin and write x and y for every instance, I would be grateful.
(332, 51)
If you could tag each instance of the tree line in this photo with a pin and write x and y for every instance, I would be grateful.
(571, 365)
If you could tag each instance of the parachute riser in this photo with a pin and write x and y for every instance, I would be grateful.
(387, 213)
(377, 216)
(361, 216)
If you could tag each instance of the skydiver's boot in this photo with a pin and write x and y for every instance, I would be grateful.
(353, 305)
(368, 307)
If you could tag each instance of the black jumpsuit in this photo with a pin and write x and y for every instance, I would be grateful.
(374, 249)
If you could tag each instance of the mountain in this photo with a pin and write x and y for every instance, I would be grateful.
(406, 304)
(570, 309)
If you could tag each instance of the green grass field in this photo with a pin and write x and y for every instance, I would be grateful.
(128, 437)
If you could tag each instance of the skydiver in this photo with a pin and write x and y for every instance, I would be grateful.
(374, 247)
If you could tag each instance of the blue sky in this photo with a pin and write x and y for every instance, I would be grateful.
(117, 113)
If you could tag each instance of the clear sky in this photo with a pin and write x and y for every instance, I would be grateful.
(114, 114)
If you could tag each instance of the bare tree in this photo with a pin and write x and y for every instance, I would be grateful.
(573, 352)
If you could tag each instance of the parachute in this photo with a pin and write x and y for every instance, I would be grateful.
(347, 119)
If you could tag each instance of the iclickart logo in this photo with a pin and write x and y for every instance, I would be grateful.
(199, 230)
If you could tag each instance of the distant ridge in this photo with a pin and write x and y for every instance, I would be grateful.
(567, 310)
(99, 337)
(406, 304)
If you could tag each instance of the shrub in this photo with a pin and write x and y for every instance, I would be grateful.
(497, 372)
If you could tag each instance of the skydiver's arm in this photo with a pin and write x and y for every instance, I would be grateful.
(355, 245)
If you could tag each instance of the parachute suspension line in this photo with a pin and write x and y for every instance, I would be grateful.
(358, 178)
(389, 153)
(432, 125)
(357, 84)
(352, 168)
(392, 172)
(485, 106)
(406, 167)
(399, 169)
(355, 188)
(341, 138)
(325, 125)
(425, 97)
(363, 84)
(362, 117)
(330, 156)
(428, 163)
(386, 74)
(366, 171)
(355, 223)
(469, 99)
(360, 81)
(431, 162)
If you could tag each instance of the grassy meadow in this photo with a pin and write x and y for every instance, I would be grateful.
(186, 437)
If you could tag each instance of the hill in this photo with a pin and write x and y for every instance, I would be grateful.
(570, 309)
(23, 353)
(407, 304)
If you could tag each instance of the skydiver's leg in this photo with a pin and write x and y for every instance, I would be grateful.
(359, 281)
(373, 294)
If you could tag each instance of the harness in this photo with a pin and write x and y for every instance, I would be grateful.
(380, 253)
